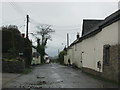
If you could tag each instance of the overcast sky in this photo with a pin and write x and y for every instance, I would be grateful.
(65, 17)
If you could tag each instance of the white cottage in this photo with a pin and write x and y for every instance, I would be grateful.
(98, 50)
(36, 57)
(69, 56)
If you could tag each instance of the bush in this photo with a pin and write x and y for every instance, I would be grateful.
(11, 38)
(12, 53)
(27, 71)
(7, 40)
(13, 66)
(41, 50)
(13, 43)
(61, 56)
(27, 52)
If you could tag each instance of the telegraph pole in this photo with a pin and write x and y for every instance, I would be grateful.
(27, 26)
(58, 52)
(67, 39)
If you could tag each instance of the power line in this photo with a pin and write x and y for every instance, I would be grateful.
(21, 26)
(16, 20)
(17, 11)
(71, 27)
(67, 29)
(66, 26)
(55, 26)
(63, 30)
(36, 22)
(17, 8)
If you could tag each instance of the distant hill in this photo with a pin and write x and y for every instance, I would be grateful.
(55, 57)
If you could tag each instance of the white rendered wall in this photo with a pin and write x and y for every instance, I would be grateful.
(77, 55)
(93, 46)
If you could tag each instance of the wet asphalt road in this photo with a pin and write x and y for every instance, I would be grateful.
(56, 76)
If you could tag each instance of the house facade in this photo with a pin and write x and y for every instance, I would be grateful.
(69, 56)
(97, 51)
(36, 60)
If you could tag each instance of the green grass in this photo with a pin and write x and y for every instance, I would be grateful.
(9, 60)
(27, 70)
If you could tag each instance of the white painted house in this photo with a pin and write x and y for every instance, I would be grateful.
(97, 51)
(36, 57)
(69, 56)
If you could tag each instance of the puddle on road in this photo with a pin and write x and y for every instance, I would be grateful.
(58, 81)
(41, 82)
(68, 73)
(33, 85)
(40, 77)
(30, 86)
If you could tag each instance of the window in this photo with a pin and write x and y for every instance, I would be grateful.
(106, 54)
(75, 47)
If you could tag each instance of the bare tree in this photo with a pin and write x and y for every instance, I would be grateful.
(45, 31)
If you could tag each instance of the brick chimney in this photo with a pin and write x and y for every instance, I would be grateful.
(23, 35)
(77, 35)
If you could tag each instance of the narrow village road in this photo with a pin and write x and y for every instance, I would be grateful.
(56, 76)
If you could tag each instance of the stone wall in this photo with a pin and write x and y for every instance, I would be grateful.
(119, 63)
(111, 70)
(13, 66)
(91, 71)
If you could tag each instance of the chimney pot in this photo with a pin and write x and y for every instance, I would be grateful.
(78, 35)
(23, 35)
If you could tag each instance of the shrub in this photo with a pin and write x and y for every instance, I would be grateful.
(61, 56)
(13, 43)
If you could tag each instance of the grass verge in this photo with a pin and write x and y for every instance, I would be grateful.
(27, 70)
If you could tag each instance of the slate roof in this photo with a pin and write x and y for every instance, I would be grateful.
(111, 19)
(88, 24)
(96, 28)
(107, 21)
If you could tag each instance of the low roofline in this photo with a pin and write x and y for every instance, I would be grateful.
(111, 19)
(92, 19)
(98, 28)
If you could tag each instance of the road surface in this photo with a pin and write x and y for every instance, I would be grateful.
(56, 76)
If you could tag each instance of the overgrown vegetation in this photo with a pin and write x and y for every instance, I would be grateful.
(9, 60)
(61, 56)
(44, 32)
(13, 44)
(27, 70)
